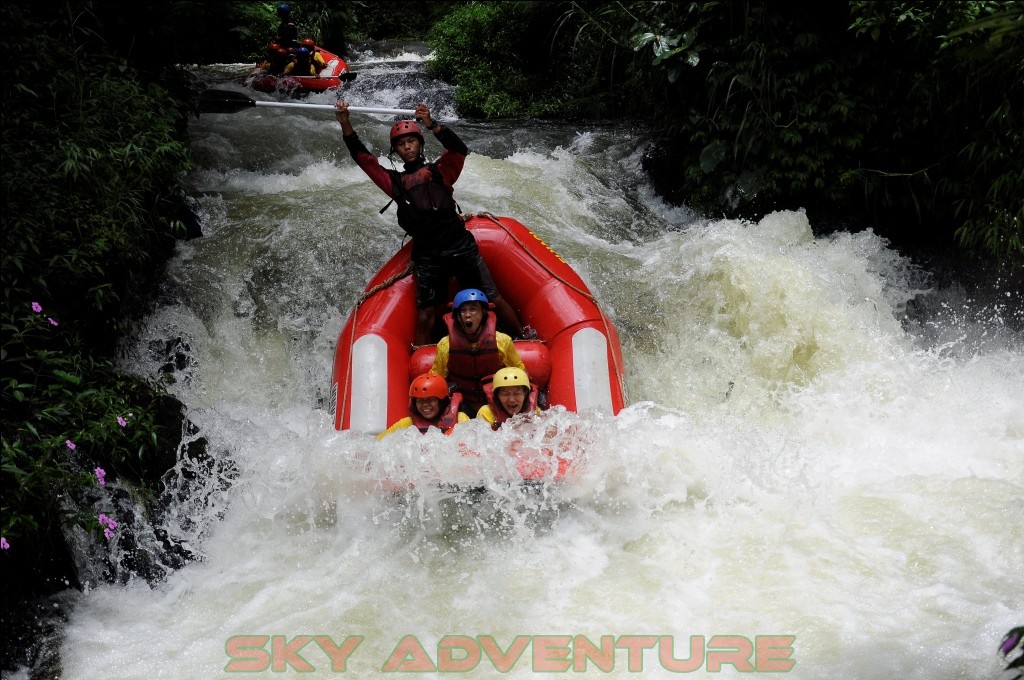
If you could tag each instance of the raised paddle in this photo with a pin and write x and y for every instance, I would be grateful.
(229, 101)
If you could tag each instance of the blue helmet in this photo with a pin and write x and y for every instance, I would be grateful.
(302, 51)
(469, 295)
(283, 9)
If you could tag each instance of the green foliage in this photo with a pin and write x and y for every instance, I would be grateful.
(954, 69)
(93, 181)
(900, 112)
(987, 202)
(501, 56)
(55, 399)
(93, 188)
(154, 34)
(330, 24)
(397, 19)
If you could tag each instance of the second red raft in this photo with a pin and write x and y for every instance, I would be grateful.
(328, 78)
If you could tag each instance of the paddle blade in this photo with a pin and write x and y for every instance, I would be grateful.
(347, 76)
(223, 101)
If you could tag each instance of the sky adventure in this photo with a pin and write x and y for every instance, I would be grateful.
(548, 653)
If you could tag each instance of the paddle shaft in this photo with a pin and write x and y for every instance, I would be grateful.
(330, 107)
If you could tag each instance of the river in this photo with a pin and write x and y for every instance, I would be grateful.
(821, 462)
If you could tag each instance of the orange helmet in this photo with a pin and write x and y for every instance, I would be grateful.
(403, 128)
(428, 385)
(308, 42)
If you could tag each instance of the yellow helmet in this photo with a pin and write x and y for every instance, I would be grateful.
(511, 377)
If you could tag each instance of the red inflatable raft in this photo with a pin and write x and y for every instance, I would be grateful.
(576, 357)
(329, 78)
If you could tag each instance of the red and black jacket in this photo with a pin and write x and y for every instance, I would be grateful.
(424, 193)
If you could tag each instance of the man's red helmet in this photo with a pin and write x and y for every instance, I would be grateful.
(403, 128)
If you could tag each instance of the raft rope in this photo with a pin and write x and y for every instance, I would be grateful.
(619, 375)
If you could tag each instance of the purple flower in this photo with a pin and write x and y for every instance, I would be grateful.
(36, 307)
(121, 421)
(52, 322)
(108, 526)
(101, 476)
(4, 544)
(1010, 641)
(70, 444)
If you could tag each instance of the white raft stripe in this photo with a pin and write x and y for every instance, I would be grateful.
(369, 393)
(591, 376)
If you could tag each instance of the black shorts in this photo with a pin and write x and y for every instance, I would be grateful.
(433, 273)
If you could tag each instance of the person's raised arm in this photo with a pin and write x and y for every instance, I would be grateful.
(423, 115)
(455, 151)
(363, 158)
(342, 115)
